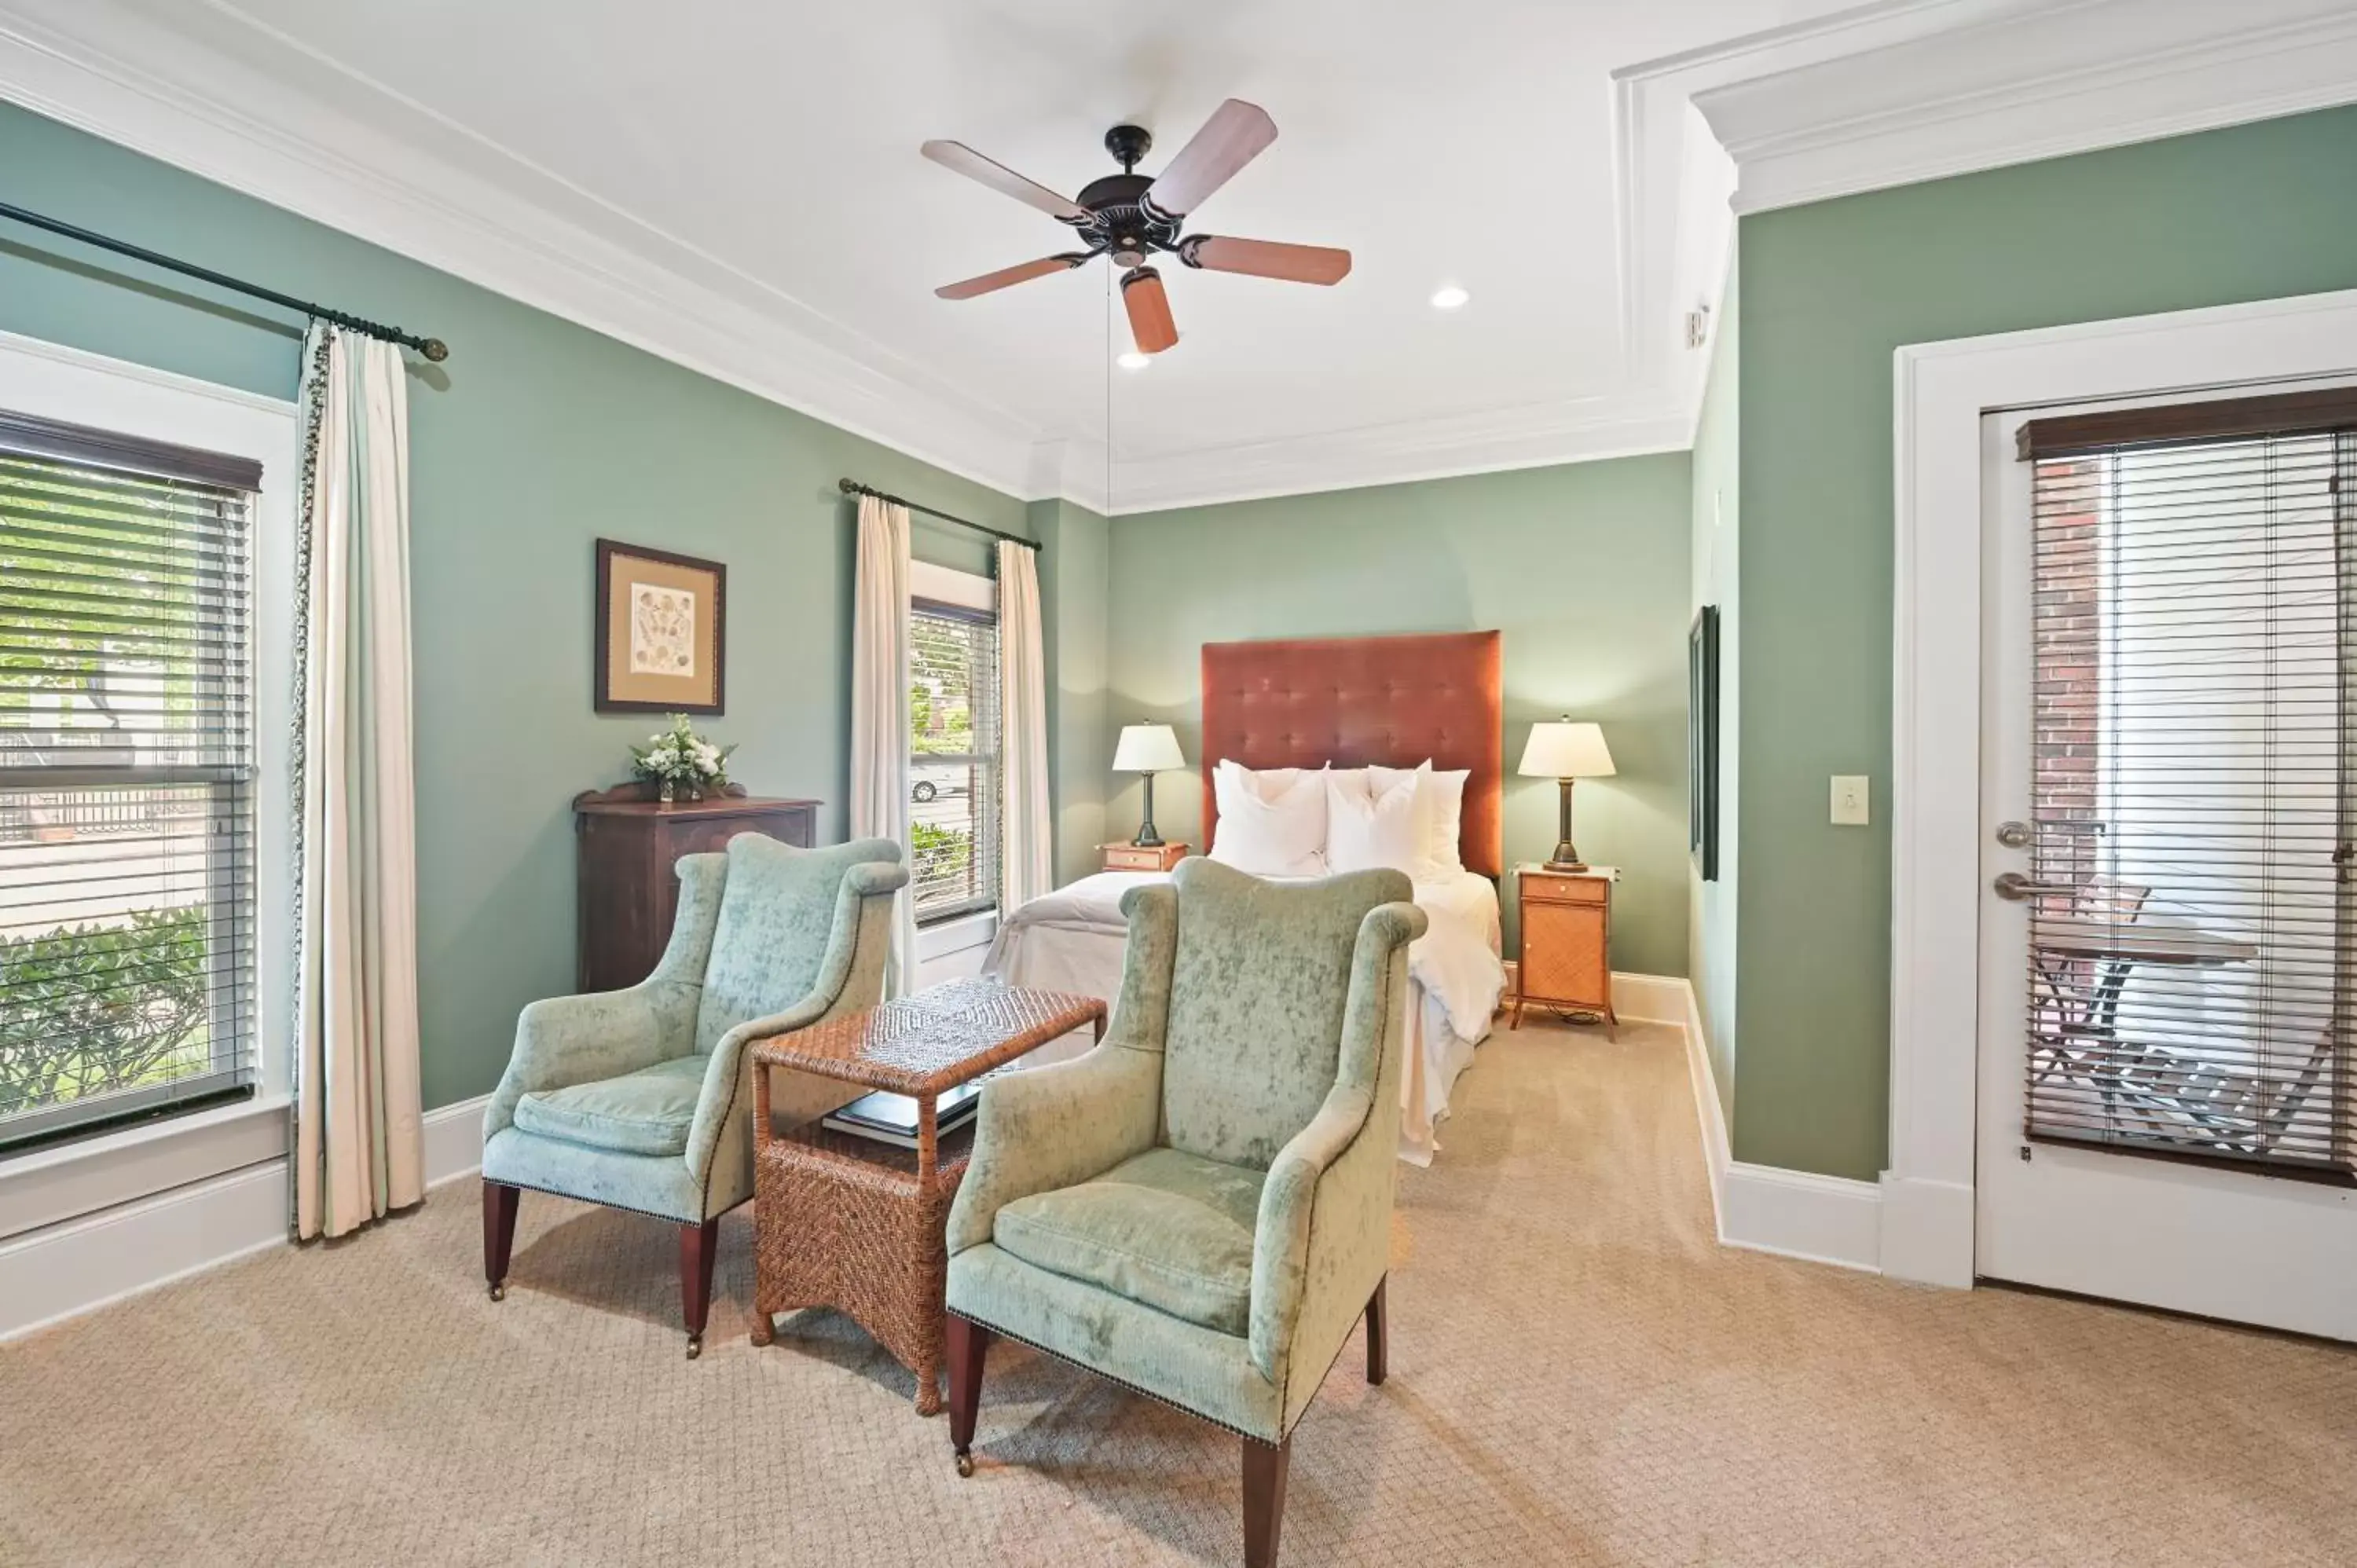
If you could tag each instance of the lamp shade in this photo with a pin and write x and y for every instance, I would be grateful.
(1147, 748)
(1562, 749)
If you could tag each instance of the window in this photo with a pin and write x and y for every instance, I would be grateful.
(954, 750)
(2195, 784)
(126, 778)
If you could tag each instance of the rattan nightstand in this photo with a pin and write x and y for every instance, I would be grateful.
(1565, 962)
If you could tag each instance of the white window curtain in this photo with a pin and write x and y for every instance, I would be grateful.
(358, 1140)
(1028, 865)
(879, 709)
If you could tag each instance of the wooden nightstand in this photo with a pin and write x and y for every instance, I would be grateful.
(1566, 927)
(1143, 857)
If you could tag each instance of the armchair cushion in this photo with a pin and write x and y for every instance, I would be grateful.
(644, 1112)
(1170, 1230)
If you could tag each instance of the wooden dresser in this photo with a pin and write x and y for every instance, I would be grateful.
(628, 891)
(1566, 933)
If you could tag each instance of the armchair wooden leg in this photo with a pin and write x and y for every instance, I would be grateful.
(967, 1344)
(697, 1246)
(1378, 1336)
(499, 1234)
(1265, 1468)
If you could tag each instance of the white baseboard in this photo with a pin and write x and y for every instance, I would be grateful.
(1766, 1209)
(62, 1271)
(1799, 1214)
(1636, 998)
(1708, 1110)
(1650, 998)
(454, 1139)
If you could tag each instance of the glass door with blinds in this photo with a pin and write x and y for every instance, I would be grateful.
(126, 779)
(2169, 1091)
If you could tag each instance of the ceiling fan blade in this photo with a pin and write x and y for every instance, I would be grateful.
(999, 177)
(1008, 277)
(1265, 259)
(1236, 134)
(1149, 310)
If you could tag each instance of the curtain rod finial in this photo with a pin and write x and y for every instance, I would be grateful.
(437, 351)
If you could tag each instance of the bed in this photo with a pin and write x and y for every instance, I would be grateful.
(1348, 702)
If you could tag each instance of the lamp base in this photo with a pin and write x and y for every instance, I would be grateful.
(1565, 857)
(1148, 837)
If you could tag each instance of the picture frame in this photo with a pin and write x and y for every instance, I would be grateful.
(660, 631)
(1702, 741)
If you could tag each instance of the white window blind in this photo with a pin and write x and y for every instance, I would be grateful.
(126, 821)
(953, 775)
(2195, 625)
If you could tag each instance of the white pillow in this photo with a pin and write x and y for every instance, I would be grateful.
(1440, 808)
(1368, 827)
(1272, 822)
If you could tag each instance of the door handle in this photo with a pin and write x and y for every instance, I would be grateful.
(2013, 885)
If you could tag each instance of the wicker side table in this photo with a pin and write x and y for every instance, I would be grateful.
(856, 1225)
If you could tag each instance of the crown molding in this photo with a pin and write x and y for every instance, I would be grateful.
(150, 91)
(426, 192)
(1481, 441)
(2010, 81)
(1878, 95)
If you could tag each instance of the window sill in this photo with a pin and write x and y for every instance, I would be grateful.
(65, 1181)
(943, 937)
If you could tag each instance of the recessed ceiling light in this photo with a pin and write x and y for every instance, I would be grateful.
(1449, 299)
(1134, 361)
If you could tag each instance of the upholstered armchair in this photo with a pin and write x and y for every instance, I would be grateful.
(642, 1099)
(1199, 1208)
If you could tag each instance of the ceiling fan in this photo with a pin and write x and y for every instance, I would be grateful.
(1129, 216)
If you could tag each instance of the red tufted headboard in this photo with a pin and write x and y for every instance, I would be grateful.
(1352, 700)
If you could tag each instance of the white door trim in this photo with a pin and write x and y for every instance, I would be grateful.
(1942, 390)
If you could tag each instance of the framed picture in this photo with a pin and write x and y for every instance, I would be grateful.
(1702, 740)
(661, 631)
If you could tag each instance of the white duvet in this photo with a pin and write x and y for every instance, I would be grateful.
(1074, 938)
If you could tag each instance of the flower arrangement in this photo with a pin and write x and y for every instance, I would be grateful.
(678, 759)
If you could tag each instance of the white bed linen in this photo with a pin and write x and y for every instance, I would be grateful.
(1073, 939)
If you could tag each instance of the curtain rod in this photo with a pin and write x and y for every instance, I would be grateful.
(854, 487)
(432, 348)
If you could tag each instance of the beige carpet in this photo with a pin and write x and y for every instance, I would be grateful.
(1578, 1376)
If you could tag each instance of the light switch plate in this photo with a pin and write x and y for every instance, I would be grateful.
(1849, 800)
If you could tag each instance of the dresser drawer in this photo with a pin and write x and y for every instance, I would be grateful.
(699, 835)
(1541, 888)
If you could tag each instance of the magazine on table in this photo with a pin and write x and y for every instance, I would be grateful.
(890, 1118)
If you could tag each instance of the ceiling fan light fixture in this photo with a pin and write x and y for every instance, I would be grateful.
(1134, 361)
(1448, 297)
(1130, 218)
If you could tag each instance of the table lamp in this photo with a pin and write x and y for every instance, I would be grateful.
(1564, 751)
(1146, 750)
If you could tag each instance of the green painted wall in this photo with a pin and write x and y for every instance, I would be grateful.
(537, 437)
(1711, 931)
(1828, 292)
(1582, 566)
(1074, 571)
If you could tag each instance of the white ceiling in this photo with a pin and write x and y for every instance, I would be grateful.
(737, 185)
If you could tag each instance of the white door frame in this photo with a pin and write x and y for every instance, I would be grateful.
(1941, 392)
